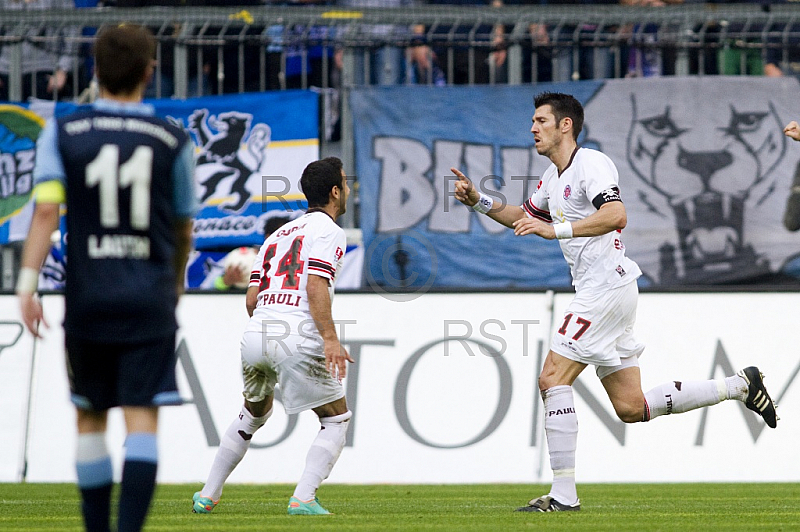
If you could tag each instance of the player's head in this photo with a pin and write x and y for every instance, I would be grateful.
(273, 224)
(319, 180)
(124, 58)
(562, 106)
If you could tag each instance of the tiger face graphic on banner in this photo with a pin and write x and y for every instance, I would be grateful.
(704, 170)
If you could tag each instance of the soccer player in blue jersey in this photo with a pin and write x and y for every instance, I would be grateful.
(127, 180)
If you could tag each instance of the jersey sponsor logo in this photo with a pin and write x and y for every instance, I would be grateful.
(567, 192)
(19, 129)
(339, 253)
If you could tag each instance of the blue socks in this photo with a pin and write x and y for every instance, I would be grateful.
(95, 479)
(138, 481)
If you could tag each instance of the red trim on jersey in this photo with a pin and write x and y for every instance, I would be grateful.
(536, 212)
(325, 262)
(322, 266)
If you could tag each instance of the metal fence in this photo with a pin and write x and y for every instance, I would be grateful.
(248, 48)
(240, 49)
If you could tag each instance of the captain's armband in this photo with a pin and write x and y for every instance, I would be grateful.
(607, 196)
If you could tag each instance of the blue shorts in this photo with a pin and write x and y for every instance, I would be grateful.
(103, 375)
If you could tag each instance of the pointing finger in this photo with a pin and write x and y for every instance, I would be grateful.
(459, 174)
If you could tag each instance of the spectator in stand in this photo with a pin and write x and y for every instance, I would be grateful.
(489, 59)
(48, 54)
(163, 84)
(646, 59)
(554, 53)
(782, 57)
(390, 64)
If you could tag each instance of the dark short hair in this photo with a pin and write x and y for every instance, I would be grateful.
(123, 54)
(319, 178)
(273, 224)
(563, 105)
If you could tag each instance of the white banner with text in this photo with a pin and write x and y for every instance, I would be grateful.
(444, 390)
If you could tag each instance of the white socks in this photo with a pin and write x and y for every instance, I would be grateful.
(231, 450)
(561, 428)
(322, 455)
(677, 397)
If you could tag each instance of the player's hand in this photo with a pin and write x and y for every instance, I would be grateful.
(32, 315)
(233, 275)
(792, 130)
(465, 191)
(336, 359)
(532, 226)
(57, 81)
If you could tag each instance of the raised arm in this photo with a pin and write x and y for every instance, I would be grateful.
(503, 213)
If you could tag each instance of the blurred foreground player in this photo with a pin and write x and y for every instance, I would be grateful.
(291, 340)
(578, 202)
(126, 178)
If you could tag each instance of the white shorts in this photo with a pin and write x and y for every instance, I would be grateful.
(598, 329)
(296, 363)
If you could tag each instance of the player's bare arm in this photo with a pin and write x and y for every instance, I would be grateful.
(37, 245)
(251, 299)
(792, 130)
(183, 245)
(466, 193)
(609, 217)
(319, 304)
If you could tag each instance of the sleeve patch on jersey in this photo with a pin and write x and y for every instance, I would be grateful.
(606, 196)
(535, 212)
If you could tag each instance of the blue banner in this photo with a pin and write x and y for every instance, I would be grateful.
(415, 232)
(706, 175)
(250, 151)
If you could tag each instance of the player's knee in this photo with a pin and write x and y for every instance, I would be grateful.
(546, 381)
(341, 418)
(629, 412)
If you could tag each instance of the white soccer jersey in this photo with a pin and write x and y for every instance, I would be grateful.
(597, 263)
(311, 244)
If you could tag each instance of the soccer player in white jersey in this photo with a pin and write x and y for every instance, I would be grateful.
(578, 202)
(291, 340)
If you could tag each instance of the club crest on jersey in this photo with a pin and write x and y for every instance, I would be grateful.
(339, 253)
(567, 192)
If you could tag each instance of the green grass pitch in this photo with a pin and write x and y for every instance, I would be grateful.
(617, 507)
